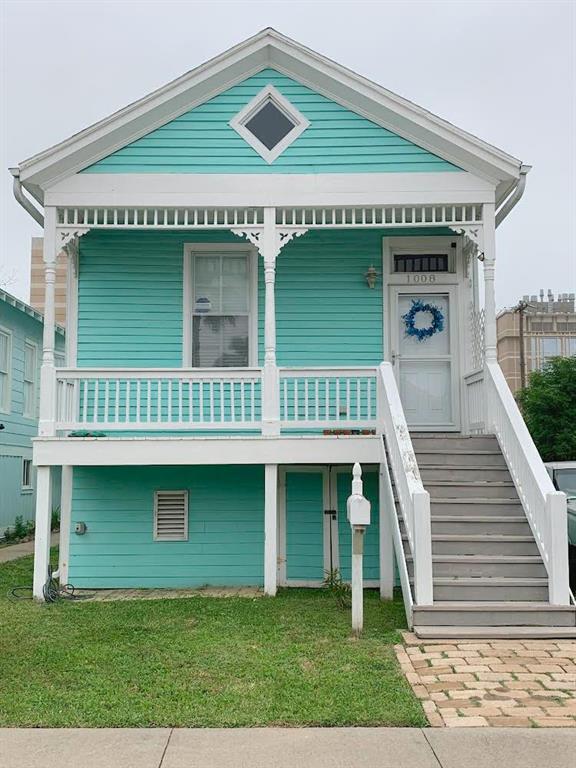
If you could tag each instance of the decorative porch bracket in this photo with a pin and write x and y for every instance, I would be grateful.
(269, 241)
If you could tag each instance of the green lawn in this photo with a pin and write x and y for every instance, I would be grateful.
(200, 661)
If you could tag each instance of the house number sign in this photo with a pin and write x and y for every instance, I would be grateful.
(421, 278)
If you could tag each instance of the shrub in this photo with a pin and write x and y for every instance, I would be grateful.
(548, 405)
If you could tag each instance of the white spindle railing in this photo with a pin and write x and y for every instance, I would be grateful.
(144, 399)
(328, 398)
(387, 500)
(544, 506)
(413, 499)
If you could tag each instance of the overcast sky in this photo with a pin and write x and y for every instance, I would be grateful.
(504, 71)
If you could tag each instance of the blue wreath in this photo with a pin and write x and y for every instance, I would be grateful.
(410, 320)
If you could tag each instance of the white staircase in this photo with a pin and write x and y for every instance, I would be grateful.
(479, 531)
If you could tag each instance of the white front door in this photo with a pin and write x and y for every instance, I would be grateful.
(423, 345)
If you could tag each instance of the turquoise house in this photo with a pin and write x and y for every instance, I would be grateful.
(20, 357)
(275, 269)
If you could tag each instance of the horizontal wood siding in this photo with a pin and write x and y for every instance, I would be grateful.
(130, 297)
(337, 140)
(325, 312)
(225, 527)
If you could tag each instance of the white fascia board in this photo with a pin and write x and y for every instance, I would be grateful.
(289, 190)
(171, 451)
(269, 49)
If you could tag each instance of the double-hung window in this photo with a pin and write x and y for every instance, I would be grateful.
(221, 316)
(29, 379)
(5, 366)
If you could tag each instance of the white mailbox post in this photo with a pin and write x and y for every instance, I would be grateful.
(358, 512)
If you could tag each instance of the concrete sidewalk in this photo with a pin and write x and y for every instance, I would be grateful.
(15, 551)
(288, 748)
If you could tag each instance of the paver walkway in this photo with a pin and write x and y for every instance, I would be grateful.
(286, 748)
(510, 683)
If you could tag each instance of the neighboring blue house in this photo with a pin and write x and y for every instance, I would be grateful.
(20, 359)
(273, 274)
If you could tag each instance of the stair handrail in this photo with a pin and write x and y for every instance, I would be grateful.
(387, 502)
(545, 507)
(413, 499)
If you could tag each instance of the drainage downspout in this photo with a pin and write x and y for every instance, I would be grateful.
(27, 204)
(514, 196)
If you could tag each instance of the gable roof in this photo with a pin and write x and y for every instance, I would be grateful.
(266, 49)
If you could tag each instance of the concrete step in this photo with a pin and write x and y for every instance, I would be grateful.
(454, 473)
(493, 633)
(507, 614)
(459, 544)
(490, 589)
(484, 566)
(475, 506)
(441, 457)
(492, 489)
(499, 525)
(453, 442)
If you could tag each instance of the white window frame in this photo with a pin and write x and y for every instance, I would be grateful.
(27, 486)
(32, 413)
(5, 406)
(201, 249)
(269, 93)
(184, 537)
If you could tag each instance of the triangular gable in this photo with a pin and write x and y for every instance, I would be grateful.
(337, 140)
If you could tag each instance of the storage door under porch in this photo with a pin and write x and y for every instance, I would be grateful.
(314, 530)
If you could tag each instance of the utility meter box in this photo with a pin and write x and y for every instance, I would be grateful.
(358, 510)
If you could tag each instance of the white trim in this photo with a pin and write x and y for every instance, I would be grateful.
(273, 189)
(238, 248)
(206, 450)
(156, 535)
(269, 94)
(6, 407)
(268, 49)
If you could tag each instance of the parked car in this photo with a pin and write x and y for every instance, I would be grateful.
(563, 474)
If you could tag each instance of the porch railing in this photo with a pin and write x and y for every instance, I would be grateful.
(144, 399)
(212, 399)
(328, 397)
(544, 506)
(413, 499)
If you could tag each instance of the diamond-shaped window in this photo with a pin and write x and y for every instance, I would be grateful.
(269, 123)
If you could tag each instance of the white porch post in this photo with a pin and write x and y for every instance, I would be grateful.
(270, 528)
(46, 425)
(42, 532)
(65, 518)
(270, 376)
(489, 244)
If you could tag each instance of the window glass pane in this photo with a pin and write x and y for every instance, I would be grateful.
(3, 390)
(234, 285)
(28, 398)
(550, 347)
(220, 342)
(4, 352)
(270, 125)
(207, 275)
(572, 346)
(29, 362)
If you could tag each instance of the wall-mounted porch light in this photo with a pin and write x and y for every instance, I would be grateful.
(371, 276)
